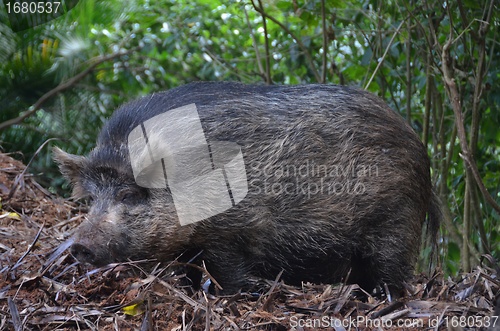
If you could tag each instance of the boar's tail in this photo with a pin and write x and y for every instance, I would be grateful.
(435, 215)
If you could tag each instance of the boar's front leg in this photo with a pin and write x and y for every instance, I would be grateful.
(229, 269)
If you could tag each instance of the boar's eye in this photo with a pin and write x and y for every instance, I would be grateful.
(131, 196)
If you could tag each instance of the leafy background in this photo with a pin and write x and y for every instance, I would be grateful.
(120, 50)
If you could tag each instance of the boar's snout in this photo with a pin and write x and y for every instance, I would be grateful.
(83, 254)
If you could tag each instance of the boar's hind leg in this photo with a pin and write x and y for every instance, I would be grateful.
(389, 264)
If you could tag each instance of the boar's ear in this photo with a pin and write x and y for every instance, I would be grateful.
(71, 167)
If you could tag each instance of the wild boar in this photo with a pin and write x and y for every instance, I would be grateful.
(331, 185)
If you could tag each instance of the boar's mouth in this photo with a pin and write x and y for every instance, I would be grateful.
(85, 254)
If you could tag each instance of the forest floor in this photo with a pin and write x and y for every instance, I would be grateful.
(42, 287)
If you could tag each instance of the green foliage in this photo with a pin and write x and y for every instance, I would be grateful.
(169, 43)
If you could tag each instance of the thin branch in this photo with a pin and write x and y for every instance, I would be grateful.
(20, 177)
(385, 54)
(308, 56)
(30, 248)
(478, 88)
(453, 94)
(428, 96)
(252, 35)
(266, 45)
(228, 66)
(62, 87)
(432, 41)
(408, 73)
(325, 41)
